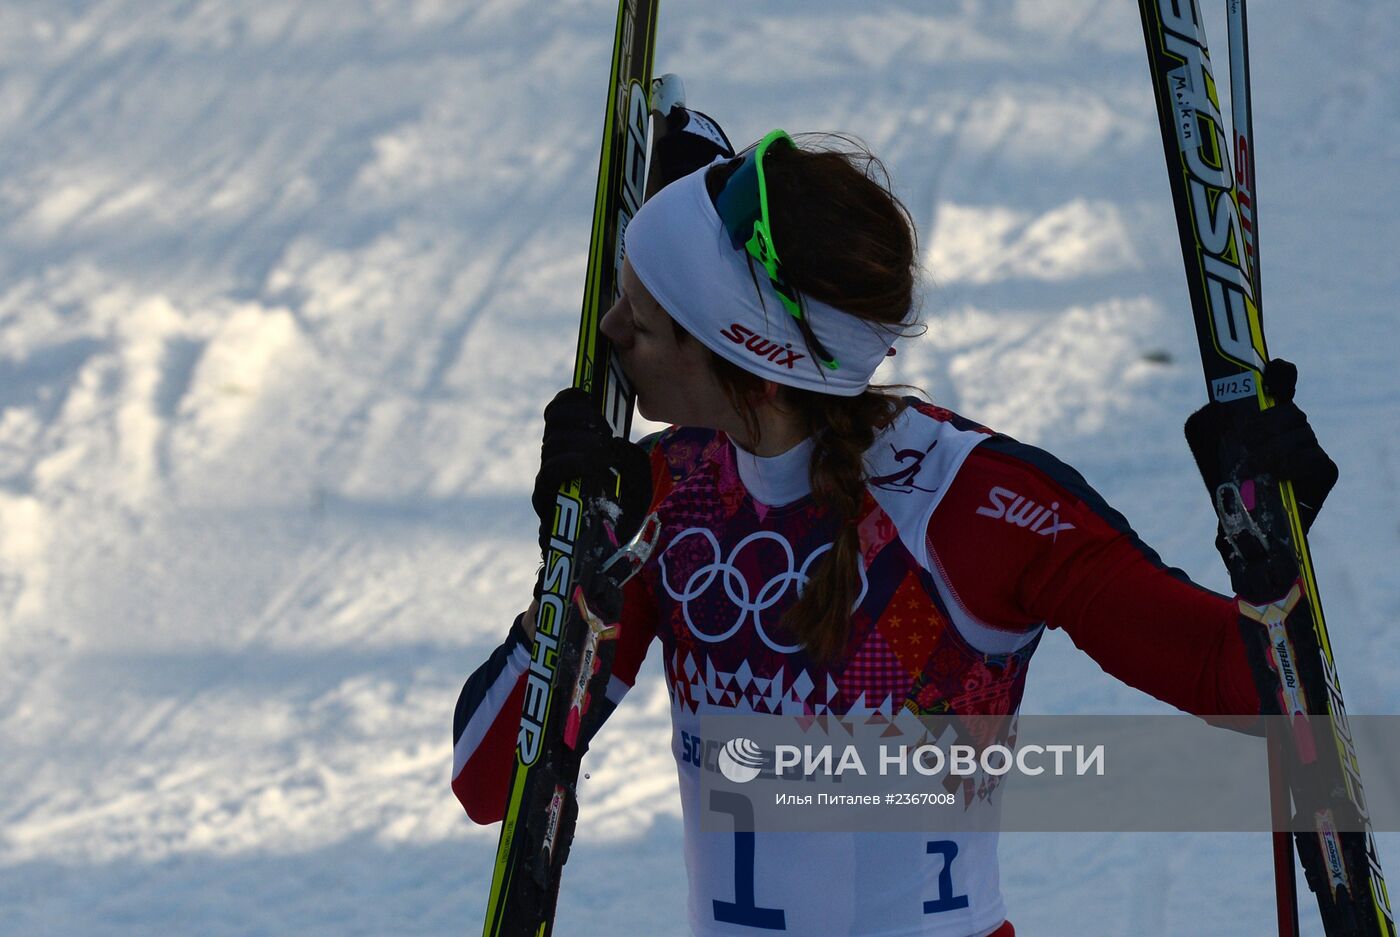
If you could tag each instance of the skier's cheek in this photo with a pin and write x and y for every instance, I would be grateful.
(642, 380)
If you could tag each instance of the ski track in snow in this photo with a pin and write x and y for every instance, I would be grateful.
(283, 290)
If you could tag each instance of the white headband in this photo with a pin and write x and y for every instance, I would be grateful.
(680, 250)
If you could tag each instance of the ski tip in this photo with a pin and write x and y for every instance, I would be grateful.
(667, 93)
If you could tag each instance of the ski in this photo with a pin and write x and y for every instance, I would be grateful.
(1283, 625)
(1242, 135)
(572, 655)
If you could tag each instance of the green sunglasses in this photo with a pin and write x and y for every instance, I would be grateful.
(742, 205)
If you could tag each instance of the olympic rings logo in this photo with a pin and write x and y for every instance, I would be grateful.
(736, 586)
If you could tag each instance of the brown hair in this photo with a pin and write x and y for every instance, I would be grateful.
(846, 240)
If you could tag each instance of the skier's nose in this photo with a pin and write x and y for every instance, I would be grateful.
(617, 324)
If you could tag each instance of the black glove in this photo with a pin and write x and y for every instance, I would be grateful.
(579, 444)
(1239, 444)
(690, 140)
(1277, 442)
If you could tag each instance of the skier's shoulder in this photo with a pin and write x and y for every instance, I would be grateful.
(927, 411)
(1008, 488)
(918, 454)
(967, 473)
(1002, 461)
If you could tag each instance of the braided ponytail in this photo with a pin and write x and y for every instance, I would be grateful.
(821, 618)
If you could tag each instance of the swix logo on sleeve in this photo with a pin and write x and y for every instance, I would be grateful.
(772, 351)
(1023, 512)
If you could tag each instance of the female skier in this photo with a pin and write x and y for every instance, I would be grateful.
(827, 546)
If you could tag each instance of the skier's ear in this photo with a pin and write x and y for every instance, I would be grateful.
(763, 392)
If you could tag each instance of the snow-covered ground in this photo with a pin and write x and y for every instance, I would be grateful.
(284, 287)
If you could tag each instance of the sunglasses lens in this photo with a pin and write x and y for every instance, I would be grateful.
(738, 202)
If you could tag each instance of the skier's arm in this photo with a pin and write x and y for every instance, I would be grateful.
(577, 443)
(484, 726)
(1032, 543)
(489, 707)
